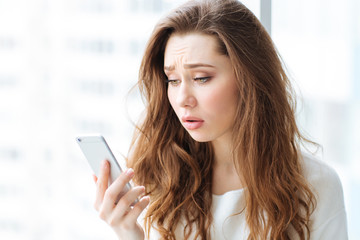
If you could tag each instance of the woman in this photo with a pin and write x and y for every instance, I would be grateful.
(218, 153)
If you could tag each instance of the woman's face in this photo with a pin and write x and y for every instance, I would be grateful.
(202, 86)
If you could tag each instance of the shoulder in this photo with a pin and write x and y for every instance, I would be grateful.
(326, 185)
(321, 176)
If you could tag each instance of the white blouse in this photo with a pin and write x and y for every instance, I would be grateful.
(328, 221)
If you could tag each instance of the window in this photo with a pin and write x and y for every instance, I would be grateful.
(322, 54)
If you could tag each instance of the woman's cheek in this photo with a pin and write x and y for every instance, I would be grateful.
(219, 101)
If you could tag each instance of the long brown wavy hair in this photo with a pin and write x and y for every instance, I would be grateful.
(177, 171)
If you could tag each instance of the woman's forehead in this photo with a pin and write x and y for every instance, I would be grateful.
(190, 48)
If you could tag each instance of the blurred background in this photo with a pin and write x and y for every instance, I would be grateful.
(67, 66)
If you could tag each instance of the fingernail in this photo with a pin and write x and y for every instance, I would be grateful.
(130, 172)
(104, 163)
(94, 178)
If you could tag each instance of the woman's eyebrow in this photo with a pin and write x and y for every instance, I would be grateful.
(196, 65)
(189, 65)
(169, 68)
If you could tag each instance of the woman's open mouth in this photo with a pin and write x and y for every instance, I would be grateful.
(192, 123)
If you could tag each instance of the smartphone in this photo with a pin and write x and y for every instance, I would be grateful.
(96, 149)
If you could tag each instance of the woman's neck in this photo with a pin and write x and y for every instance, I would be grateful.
(222, 150)
(225, 176)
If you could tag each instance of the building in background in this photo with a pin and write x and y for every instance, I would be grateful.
(67, 66)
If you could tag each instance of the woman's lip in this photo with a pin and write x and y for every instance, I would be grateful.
(192, 123)
(191, 119)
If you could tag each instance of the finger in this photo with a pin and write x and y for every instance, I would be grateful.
(133, 215)
(123, 207)
(102, 183)
(94, 178)
(112, 193)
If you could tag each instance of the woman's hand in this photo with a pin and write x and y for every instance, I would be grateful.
(121, 216)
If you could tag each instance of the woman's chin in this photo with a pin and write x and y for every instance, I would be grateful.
(199, 137)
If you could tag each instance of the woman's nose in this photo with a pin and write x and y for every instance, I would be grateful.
(185, 97)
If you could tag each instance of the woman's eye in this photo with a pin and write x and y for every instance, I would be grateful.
(173, 82)
(202, 79)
